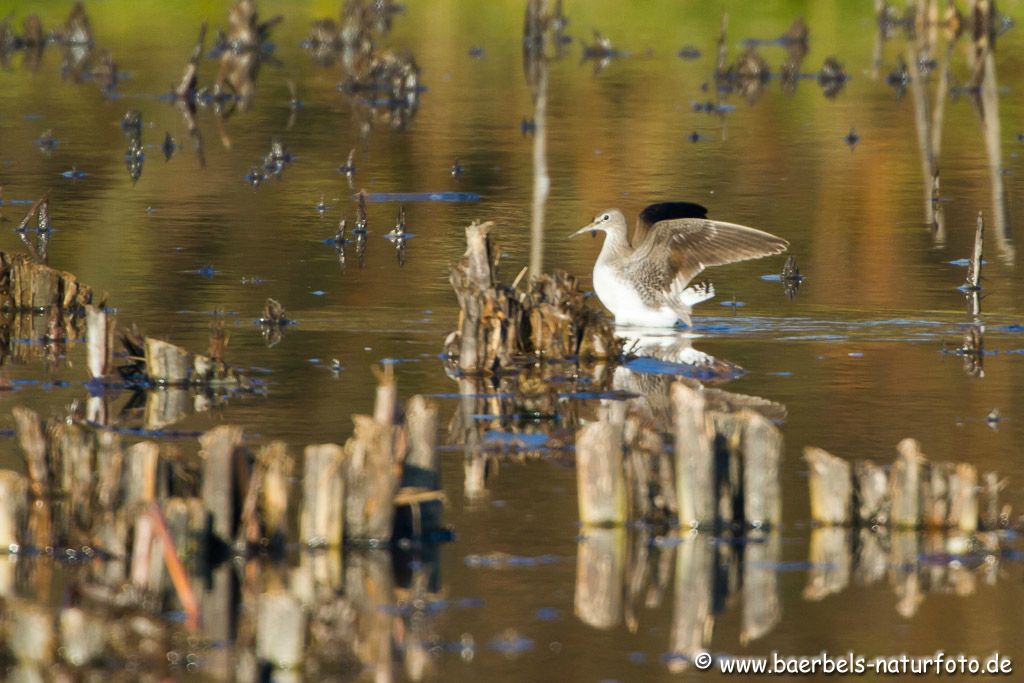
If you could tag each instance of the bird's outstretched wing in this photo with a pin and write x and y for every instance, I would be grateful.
(683, 247)
(663, 211)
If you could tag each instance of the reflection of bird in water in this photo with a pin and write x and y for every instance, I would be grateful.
(645, 280)
(696, 370)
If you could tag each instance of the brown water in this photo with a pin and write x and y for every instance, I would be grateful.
(859, 357)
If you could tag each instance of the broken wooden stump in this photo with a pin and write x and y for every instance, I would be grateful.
(168, 364)
(502, 327)
(914, 494)
(33, 286)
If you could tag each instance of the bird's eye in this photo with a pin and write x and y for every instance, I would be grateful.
(605, 217)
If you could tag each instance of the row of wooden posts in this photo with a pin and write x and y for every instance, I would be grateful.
(724, 475)
(349, 493)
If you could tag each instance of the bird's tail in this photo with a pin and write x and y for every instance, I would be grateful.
(697, 292)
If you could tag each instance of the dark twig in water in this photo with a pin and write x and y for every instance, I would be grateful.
(832, 77)
(973, 282)
(791, 277)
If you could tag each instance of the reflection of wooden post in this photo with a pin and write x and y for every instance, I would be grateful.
(369, 588)
(280, 629)
(217, 605)
(872, 561)
(903, 571)
(13, 504)
(599, 474)
(762, 607)
(600, 571)
(829, 556)
(694, 458)
(81, 636)
(323, 500)
(109, 462)
(30, 636)
(831, 487)
(692, 616)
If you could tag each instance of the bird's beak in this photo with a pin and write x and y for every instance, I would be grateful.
(583, 230)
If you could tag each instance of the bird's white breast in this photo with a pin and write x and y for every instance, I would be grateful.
(622, 299)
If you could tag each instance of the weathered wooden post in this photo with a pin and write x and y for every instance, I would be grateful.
(694, 439)
(831, 487)
(963, 498)
(222, 451)
(371, 480)
(600, 476)
(277, 465)
(99, 335)
(321, 522)
(762, 452)
(141, 473)
(33, 445)
(905, 485)
(872, 487)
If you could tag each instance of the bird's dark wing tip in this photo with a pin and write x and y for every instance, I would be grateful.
(666, 211)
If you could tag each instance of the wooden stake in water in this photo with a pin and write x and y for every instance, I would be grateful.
(221, 449)
(831, 487)
(99, 334)
(321, 522)
(371, 480)
(694, 435)
(905, 485)
(762, 453)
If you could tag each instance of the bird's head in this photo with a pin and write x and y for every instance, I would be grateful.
(609, 221)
